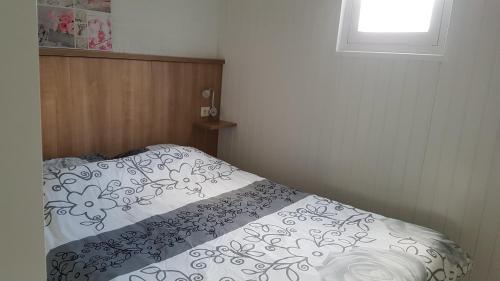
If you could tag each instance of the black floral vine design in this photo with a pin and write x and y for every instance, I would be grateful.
(151, 239)
(296, 255)
(150, 175)
(162, 274)
(441, 257)
(431, 257)
(329, 213)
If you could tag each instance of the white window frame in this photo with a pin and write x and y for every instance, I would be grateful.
(430, 43)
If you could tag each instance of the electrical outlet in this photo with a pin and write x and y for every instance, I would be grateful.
(205, 111)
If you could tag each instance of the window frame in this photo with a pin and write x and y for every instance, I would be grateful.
(430, 43)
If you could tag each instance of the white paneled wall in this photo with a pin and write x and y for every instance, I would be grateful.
(413, 139)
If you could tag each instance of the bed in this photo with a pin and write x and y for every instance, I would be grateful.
(175, 213)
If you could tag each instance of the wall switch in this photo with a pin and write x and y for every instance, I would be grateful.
(205, 111)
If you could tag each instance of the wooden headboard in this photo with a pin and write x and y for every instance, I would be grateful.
(110, 103)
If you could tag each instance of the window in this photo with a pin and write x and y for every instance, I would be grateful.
(394, 26)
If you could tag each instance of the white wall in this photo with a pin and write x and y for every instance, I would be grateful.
(416, 140)
(21, 235)
(174, 27)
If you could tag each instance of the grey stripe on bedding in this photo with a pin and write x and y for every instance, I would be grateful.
(121, 251)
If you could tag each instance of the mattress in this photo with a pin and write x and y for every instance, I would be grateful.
(176, 213)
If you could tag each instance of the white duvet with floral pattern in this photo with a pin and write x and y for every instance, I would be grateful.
(175, 213)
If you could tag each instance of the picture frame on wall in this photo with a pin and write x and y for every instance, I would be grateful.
(82, 24)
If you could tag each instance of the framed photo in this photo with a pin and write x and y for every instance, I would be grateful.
(99, 31)
(56, 27)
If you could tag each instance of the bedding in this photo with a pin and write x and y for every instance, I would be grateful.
(175, 213)
(60, 163)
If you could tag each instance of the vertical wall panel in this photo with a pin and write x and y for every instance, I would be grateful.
(409, 138)
(490, 222)
(477, 90)
(494, 270)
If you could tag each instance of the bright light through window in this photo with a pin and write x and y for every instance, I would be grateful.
(395, 15)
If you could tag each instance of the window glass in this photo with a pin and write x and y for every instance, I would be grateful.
(395, 15)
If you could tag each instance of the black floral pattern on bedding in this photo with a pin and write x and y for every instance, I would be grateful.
(163, 236)
(91, 203)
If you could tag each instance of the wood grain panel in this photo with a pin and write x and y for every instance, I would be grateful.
(112, 105)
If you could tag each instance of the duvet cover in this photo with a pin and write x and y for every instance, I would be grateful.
(175, 213)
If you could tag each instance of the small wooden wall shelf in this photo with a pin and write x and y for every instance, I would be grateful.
(214, 125)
